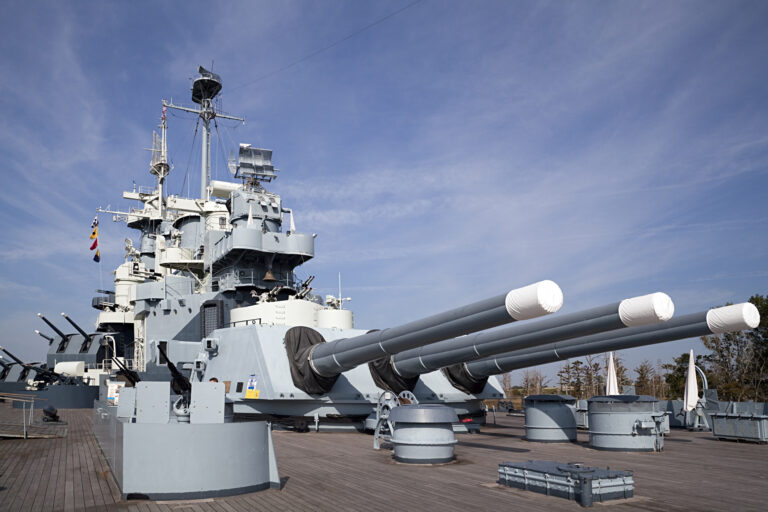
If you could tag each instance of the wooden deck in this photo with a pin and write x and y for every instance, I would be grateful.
(324, 471)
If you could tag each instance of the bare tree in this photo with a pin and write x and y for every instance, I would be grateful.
(506, 384)
(533, 382)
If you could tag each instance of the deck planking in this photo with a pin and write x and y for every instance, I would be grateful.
(341, 471)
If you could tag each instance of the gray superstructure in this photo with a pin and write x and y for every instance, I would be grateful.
(211, 283)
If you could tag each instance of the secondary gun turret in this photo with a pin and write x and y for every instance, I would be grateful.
(55, 329)
(48, 376)
(316, 364)
(87, 338)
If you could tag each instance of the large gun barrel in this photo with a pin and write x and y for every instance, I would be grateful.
(81, 331)
(55, 329)
(332, 358)
(636, 311)
(715, 321)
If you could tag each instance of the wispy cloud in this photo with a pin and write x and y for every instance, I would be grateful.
(450, 152)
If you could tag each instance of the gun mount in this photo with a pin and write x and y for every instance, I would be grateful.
(131, 376)
(179, 383)
(55, 329)
(45, 375)
(316, 364)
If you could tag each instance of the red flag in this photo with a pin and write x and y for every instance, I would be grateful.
(95, 244)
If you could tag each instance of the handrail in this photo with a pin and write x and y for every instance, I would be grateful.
(24, 399)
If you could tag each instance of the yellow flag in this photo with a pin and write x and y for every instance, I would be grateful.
(95, 233)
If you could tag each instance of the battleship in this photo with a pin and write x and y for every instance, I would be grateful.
(209, 340)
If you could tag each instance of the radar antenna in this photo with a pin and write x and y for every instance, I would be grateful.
(253, 166)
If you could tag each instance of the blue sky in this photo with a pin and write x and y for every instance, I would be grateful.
(446, 154)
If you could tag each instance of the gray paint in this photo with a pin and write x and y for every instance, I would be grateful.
(208, 403)
(65, 397)
(484, 344)
(191, 231)
(258, 351)
(423, 433)
(168, 460)
(152, 402)
(740, 427)
(550, 418)
(333, 358)
(572, 481)
(625, 423)
(626, 338)
(126, 405)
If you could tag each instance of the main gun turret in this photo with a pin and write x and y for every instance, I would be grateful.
(315, 364)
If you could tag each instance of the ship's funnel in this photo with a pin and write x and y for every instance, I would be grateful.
(316, 365)
(715, 321)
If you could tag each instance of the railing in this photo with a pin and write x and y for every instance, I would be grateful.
(24, 400)
(236, 278)
(143, 189)
(106, 365)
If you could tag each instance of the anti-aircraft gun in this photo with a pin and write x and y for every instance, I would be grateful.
(304, 289)
(45, 376)
(77, 351)
(131, 376)
(87, 338)
(180, 385)
(5, 369)
(64, 337)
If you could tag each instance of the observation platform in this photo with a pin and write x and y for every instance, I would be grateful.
(341, 471)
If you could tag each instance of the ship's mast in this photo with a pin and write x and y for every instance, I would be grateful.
(159, 165)
(204, 90)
